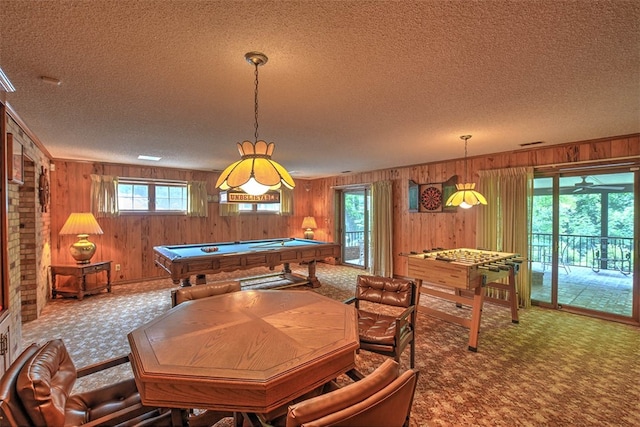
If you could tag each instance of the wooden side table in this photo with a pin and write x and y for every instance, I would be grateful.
(80, 271)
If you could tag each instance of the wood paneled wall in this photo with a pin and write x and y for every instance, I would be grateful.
(129, 240)
(418, 231)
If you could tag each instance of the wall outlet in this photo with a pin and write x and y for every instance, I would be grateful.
(117, 267)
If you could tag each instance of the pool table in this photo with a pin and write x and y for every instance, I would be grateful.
(184, 261)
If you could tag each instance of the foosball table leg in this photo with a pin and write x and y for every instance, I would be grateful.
(513, 297)
(476, 315)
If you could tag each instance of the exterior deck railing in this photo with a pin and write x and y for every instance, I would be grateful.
(353, 248)
(353, 238)
(596, 252)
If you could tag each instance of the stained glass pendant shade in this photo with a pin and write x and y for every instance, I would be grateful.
(255, 173)
(466, 196)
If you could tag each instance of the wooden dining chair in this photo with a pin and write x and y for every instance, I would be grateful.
(380, 330)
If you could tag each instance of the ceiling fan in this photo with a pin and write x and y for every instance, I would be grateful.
(582, 185)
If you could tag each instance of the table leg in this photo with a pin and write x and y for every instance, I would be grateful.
(312, 274)
(178, 417)
(109, 279)
(248, 419)
(513, 297)
(286, 268)
(83, 287)
(476, 315)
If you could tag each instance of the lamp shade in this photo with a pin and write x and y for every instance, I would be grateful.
(309, 222)
(255, 173)
(466, 196)
(82, 225)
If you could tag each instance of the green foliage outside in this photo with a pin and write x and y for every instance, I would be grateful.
(354, 212)
(580, 227)
(580, 215)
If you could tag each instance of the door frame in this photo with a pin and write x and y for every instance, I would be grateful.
(341, 231)
(590, 170)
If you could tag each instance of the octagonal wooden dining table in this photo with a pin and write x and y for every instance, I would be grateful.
(249, 351)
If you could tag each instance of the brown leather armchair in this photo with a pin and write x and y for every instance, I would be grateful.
(381, 331)
(381, 399)
(36, 391)
(189, 293)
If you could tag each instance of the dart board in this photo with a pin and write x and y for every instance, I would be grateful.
(431, 198)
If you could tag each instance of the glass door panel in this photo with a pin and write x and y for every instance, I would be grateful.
(355, 227)
(582, 242)
(542, 241)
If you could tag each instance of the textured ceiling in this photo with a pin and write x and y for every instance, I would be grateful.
(351, 86)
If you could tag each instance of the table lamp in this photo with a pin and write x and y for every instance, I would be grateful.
(82, 225)
(309, 224)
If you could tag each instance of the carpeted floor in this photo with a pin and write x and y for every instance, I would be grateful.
(551, 369)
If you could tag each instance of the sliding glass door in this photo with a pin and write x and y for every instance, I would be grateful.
(582, 243)
(354, 221)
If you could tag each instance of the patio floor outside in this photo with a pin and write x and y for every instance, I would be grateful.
(608, 291)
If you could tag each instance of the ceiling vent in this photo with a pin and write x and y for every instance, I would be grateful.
(527, 144)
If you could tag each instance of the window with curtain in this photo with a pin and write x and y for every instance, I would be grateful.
(112, 196)
(197, 199)
(503, 224)
(104, 196)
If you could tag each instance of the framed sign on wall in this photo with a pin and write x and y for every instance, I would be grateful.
(15, 160)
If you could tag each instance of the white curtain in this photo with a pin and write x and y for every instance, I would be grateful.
(197, 199)
(229, 209)
(286, 201)
(503, 224)
(104, 196)
(382, 228)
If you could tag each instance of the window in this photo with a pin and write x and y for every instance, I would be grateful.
(152, 196)
(171, 198)
(259, 207)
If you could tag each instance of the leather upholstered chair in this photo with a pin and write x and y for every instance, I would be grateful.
(36, 390)
(380, 399)
(381, 331)
(189, 293)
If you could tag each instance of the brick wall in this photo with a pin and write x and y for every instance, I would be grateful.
(29, 244)
(28, 269)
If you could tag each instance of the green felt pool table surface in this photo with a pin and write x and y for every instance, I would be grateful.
(213, 249)
(182, 261)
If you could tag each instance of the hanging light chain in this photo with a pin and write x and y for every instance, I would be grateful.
(466, 138)
(466, 177)
(256, 104)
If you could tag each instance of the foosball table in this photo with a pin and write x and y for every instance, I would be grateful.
(469, 272)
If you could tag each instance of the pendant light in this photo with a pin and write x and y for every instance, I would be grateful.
(465, 195)
(255, 173)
